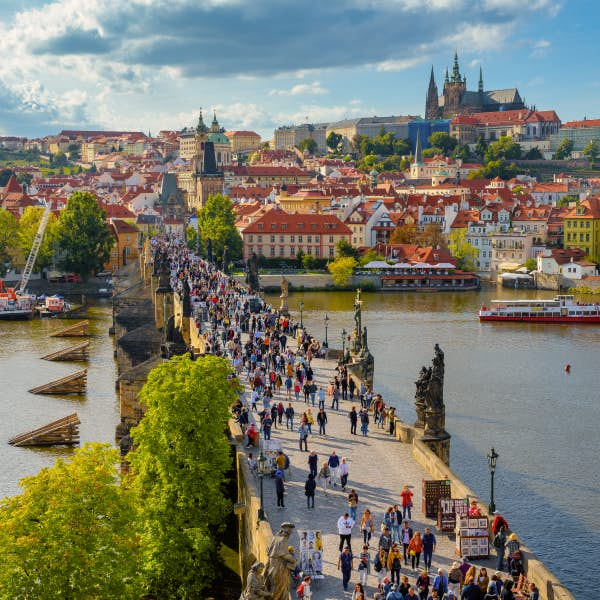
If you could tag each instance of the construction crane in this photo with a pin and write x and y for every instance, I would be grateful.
(35, 248)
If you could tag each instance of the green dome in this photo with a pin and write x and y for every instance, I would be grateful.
(218, 138)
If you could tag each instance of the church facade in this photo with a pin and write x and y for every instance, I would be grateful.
(457, 100)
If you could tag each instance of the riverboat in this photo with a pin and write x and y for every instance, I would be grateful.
(423, 277)
(561, 309)
(52, 306)
(15, 305)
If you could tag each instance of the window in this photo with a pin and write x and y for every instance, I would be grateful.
(331, 251)
(283, 226)
(292, 251)
(309, 239)
(272, 250)
(281, 251)
(272, 239)
(300, 238)
(331, 239)
(260, 238)
(300, 225)
(273, 225)
(317, 238)
(260, 225)
(317, 251)
(587, 224)
(292, 238)
(313, 226)
(281, 239)
(587, 237)
(250, 238)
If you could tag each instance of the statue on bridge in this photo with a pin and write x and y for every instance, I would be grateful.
(420, 396)
(357, 333)
(252, 279)
(280, 562)
(256, 584)
(284, 309)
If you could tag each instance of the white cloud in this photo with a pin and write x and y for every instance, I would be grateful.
(540, 48)
(475, 62)
(480, 37)
(401, 65)
(299, 89)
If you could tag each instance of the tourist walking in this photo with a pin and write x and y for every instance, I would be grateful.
(455, 578)
(440, 583)
(345, 565)
(344, 473)
(313, 463)
(499, 543)
(415, 547)
(380, 564)
(353, 503)
(406, 534)
(407, 497)
(367, 525)
(423, 582)
(321, 397)
(324, 476)
(334, 466)
(289, 417)
(322, 420)
(394, 563)
(279, 488)
(364, 422)
(345, 524)
(385, 540)
(353, 416)
(429, 544)
(309, 490)
(303, 436)
(364, 565)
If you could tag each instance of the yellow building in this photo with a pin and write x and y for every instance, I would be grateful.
(126, 247)
(303, 201)
(582, 227)
(243, 141)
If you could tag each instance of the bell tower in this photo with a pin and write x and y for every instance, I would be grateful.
(454, 90)
(432, 109)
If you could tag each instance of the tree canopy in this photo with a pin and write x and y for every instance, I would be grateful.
(465, 253)
(341, 270)
(216, 221)
(69, 533)
(591, 151)
(345, 248)
(8, 232)
(180, 463)
(504, 149)
(444, 141)
(564, 149)
(84, 237)
(405, 234)
(28, 226)
(308, 144)
(334, 141)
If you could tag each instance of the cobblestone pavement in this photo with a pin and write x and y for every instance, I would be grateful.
(379, 466)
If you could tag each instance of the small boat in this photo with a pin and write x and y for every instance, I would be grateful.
(561, 309)
(52, 306)
(14, 304)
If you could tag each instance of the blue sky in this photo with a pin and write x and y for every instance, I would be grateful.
(149, 64)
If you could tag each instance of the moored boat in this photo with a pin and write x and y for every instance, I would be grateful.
(561, 309)
(52, 306)
(15, 305)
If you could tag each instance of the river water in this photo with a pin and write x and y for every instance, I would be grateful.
(21, 345)
(505, 386)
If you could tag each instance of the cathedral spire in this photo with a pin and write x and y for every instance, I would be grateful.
(446, 78)
(480, 89)
(418, 154)
(201, 127)
(456, 78)
(432, 103)
(214, 127)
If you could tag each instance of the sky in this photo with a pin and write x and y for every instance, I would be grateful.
(146, 65)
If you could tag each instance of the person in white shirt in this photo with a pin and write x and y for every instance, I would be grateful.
(345, 525)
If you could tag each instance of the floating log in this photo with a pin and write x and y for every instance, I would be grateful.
(77, 352)
(71, 384)
(78, 330)
(63, 432)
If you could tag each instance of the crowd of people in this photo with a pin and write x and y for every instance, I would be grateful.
(282, 385)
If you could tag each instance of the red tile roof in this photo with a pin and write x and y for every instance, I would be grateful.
(297, 223)
(582, 124)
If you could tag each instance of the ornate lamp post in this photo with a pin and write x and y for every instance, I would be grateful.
(326, 324)
(262, 469)
(301, 314)
(492, 458)
(344, 334)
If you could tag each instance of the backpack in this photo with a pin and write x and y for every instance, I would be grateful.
(377, 564)
(286, 464)
(300, 590)
(498, 541)
(396, 563)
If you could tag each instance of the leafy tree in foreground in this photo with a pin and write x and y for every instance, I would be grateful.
(83, 235)
(432, 235)
(341, 270)
(8, 232)
(180, 462)
(465, 253)
(563, 150)
(444, 141)
(216, 221)
(345, 248)
(69, 535)
(405, 234)
(28, 226)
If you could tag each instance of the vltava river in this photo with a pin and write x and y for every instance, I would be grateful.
(21, 345)
(505, 386)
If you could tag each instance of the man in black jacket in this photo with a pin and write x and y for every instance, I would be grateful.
(322, 421)
(353, 420)
(309, 490)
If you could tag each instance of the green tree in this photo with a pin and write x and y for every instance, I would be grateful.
(591, 151)
(334, 141)
(530, 264)
(465, 253)
(462, 152)
(444, 141)
(25, 178)
(308, 144)
(566, 200)
(180, 463)
(69, 533)
(432, 235)
(369, 256)
(564, 149)
(28, 226)
(308, 261)
(5, 175)
(432, 151)
(216, 221)
(193, 239)
(299, 257)
(533, 154)
(392, 163)
(345, 248)
(84, 238)
(405, 234)
(9, 226)
(504, 149)
(341, 270)
(481, 146)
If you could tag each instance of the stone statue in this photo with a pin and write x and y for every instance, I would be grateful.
(356, 334)
(284, 309)
(255, 584)
(280, 562)
(421, 396)
(252, 279)
(365, 347)
(435, 388)
(185, 298)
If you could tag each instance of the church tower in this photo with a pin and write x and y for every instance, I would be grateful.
(432, 109)
(454, 90)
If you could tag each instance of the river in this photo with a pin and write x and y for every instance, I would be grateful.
(506, 387)
(21, 345)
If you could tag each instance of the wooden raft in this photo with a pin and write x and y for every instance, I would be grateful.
(76, 352)
(63, 432)
(78, 330)
(71, 384)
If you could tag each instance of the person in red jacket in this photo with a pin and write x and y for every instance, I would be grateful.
(498, 522)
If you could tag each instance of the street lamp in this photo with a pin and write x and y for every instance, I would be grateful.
(262, 469)
(301, 314)
(326, 323)
(344, 334)
(492, 458)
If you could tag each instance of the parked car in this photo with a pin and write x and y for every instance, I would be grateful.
(104, 274)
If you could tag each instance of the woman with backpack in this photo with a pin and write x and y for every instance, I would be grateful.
(380, 565)
(394, 563)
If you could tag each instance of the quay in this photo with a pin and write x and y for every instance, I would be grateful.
(152, 322)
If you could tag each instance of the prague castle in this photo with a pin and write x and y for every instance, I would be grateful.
(457, 100)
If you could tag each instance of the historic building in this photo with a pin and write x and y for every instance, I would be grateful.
(203, 178)
(457, 100)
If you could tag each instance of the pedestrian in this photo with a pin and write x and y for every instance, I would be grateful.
(322, 420)
(429, 544)
(367, 526)
(321, 397)
(344, 473)
(380, 564)
(482, 580)
(289, 417)
(353, 503)
(280, 462)
(440, 583)
(345, 565)
(279, 488)
(455, 578)
(324, 476)
(353, 416)
(364, 422)
(310, 420)
(303, 436)
(364, 565)
(335, 399)
(385, 541)
(404, 585)
(499, 522)
(313, 463)
(266, 426)
(471, 591)
(394, 563)
(334, 467)
(407, 497)
(499, 543)
(303, 591)
(415, 547)
(516, 566)
(345, 525)
(309, 490)
(351, 387)
(512, 545)
(394, 593)
(280, 413)
(423, 582)
(395, 520)
(406, 534)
